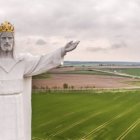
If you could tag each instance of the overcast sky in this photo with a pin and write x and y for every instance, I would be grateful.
(109, 30)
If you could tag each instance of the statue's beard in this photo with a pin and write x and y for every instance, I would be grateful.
(6, 47)
(6, 50)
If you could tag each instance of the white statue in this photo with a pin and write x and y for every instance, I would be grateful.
(15, 83)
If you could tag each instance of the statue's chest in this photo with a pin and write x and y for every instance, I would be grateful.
(10, 70)
(11, 77)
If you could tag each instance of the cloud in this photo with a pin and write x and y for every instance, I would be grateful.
(118, 45)
(41, 42)
(96, 49)
(86, 19)
(56, 22)
(107, 46)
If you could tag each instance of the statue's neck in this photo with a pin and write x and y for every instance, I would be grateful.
(6, 54)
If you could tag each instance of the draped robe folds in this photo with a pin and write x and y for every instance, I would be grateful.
(15, 92)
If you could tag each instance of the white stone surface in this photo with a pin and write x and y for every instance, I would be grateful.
(15, 92)
(15, 85)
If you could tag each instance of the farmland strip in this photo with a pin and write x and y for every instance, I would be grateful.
(107, 123)
(128, 130)
(74, 124)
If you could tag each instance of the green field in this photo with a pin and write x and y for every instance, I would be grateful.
(86, 115)
(89, 72)
(131, 71)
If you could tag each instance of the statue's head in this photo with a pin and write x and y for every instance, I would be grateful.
(6, 37)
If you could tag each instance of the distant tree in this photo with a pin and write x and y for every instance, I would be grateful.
(42, 87)
(47, 87)
(65, 85)
(34, 87)
(72, 87)
(55, 87)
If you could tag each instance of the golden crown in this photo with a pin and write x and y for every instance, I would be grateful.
(6, 27)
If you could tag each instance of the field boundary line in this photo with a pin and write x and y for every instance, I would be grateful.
(117, 97)
(107, 123)
(76, 123)
(128, 130)
(48, 122)
(101, 126)
(52, 121)
(44, 124)
(37, 138)
(81, 121)
(64, 116)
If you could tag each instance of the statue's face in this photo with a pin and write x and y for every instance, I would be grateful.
(7, 41)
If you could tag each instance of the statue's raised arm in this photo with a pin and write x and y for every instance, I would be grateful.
(43, 63)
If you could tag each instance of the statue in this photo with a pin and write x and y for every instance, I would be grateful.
(16, 73)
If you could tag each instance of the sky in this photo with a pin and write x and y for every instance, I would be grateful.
(108, 30)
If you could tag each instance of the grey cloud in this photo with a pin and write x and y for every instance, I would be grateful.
(95, 49)
(41, 42)
(78, 19)
(113, 46)
(118, 45)
(71, 18)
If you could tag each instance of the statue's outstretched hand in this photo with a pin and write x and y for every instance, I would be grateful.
(71, 46)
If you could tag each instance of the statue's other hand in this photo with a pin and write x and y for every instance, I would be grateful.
(71, 46)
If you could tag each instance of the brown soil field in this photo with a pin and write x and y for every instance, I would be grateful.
(84, 81)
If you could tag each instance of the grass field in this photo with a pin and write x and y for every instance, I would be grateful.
(131, 71)
(86, 115)
(90, 72)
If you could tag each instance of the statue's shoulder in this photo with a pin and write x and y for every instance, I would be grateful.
(24, 55)
(27, 56)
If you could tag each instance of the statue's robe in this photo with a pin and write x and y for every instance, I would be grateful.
(15, 92)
